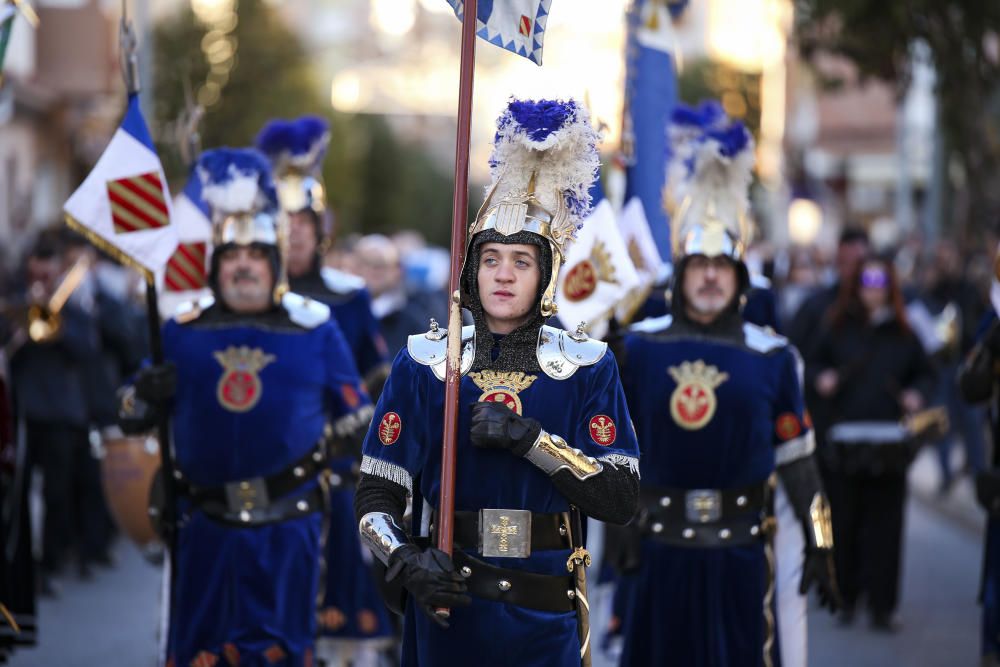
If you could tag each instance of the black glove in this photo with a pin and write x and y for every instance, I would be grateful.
(818, 569)
(431, 579)
(156, 384)
(135, 416)
(495, 426)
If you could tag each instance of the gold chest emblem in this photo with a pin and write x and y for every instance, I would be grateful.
(693, 403)
(240, 388)
(502, 387)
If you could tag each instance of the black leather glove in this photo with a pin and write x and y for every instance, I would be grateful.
(135, 416)
(818, 570)
(495, 426)
(430, 577)
(156, 384)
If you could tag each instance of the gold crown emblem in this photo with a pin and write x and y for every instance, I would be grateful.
(488, 380)
(699, 373)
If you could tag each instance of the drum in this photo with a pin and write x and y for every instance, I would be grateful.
(128, 466)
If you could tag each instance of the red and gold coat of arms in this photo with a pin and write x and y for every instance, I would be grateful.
(693, 403)
(502, 387)
(603, 430)
(390, 428)
(240, 388)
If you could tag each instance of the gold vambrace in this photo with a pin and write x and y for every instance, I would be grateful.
(820, 522)
(552, 454)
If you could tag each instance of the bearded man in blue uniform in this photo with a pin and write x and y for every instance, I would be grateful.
(353, 621)
(250, 380)
(544, 432)
(718, 409)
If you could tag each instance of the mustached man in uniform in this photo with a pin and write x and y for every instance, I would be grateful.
(544, 432)
(251, 378)
(717, 404)
(353, 621)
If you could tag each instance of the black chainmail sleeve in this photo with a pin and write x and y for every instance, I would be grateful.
(612, 495)
(375, 494)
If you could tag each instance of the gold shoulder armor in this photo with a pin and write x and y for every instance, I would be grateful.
(431, 349)
(561, 352)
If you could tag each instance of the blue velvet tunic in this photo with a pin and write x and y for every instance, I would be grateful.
(709, 413)
(251, 400)
(351, 607)
(404, 445)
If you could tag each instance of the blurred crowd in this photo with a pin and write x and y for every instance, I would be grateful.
(882, 332)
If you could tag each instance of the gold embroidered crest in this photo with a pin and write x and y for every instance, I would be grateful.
(502, 387)
(239, 388)
(693, 403)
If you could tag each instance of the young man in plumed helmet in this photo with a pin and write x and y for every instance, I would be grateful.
(354, 624)
(252, 376)
(718, 409)
(544, 432)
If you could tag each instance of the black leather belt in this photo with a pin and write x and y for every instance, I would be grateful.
(707, 517)
(542, 592)
(547, 532)
(262, 500)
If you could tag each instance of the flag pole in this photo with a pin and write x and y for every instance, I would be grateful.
(129, 61)
(459, 214)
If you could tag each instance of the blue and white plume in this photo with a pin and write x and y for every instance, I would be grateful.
(295, 145)
(723, 164)
(236, 180)
(554, 140)
(687, 126)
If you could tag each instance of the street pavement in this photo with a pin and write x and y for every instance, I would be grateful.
(112, 619)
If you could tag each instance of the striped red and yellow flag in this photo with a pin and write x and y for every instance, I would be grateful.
(186, 268)
(138, 203)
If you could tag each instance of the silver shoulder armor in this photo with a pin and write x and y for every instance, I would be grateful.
(761, 339)
(189, 311)
(340, 282)
(431, 349)
(304, 311)
(560, 352)
(652, 325)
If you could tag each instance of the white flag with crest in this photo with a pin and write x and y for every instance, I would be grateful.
(597, 273)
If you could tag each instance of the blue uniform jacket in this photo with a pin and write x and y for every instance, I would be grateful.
(712, 411)
(404, 445)
(253, 396)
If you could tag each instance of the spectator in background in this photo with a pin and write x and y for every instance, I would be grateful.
(398, 313)
(51, 382)
(957, 308)
(869, 370)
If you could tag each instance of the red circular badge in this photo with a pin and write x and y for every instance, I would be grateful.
(602, 430)
(787, 426)
(580, 282)
(389, 428)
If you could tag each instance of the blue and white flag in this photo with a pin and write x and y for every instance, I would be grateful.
(650, 94)
(515, 25)
(123, 206)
